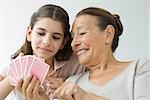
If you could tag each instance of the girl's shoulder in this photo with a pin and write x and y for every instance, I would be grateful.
(4, 67)
(74, 57)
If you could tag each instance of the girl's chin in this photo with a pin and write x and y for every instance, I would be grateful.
(42, 57)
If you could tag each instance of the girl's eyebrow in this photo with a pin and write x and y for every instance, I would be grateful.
(41, 29)
(57, 33)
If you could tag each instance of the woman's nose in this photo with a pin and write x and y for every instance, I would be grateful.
(75, 42)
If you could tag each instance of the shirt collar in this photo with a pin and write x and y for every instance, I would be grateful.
(59, 64)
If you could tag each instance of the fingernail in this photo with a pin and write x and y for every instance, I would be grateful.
(27, 76)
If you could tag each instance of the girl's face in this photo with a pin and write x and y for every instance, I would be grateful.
(46, 37)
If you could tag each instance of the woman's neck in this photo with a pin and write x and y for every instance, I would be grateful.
(106, 70)
(103, 62)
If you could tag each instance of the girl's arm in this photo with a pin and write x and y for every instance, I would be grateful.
(5, 87)
(31, 89)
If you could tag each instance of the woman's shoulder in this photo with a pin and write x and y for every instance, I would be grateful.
(75, 78)
(142, 65)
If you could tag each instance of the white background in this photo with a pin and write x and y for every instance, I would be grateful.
(135, 16)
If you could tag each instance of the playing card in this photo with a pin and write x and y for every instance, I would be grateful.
(24, 65)
(39, 69)
(21, 66)
(29, 63)
(12, 81)
(17, 63)
(12, 76)
(14, 70)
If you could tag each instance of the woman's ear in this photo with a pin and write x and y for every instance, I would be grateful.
(28, 33)
(64, 42)
(109, 34)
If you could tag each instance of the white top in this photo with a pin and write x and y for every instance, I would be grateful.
(132, 84)
(14, 95)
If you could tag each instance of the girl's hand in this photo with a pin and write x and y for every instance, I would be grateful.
(71, 91)
(55, 83)
(30, 88)
(20, 54)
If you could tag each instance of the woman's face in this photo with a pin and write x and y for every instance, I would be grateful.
(88, 40)
(46, 37)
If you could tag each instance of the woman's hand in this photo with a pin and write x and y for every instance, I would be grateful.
(30, 88)
(71, 91)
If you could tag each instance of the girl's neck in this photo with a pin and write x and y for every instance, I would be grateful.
(50, 61)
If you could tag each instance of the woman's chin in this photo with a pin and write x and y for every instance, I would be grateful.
(83, 61)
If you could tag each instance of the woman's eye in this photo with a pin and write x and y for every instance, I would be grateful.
(82, 33)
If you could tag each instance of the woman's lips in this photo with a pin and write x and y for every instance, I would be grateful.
(81, 51)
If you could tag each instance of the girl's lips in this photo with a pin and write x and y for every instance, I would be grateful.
(45, 49)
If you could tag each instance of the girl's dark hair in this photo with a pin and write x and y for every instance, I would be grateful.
(105, 18)
(56, 13)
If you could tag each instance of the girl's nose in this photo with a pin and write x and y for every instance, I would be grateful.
(46, 41)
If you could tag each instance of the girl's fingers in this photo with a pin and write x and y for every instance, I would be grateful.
(36, 89)
(55, 82)
(20, 54)
(19, 85)
(30, 88)
(26, 83)
(60, 92)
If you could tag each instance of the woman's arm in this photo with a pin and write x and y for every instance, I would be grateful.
(5, 87)
(71, 91)
(142, 82)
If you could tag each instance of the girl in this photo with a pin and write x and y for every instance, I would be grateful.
(47, 37)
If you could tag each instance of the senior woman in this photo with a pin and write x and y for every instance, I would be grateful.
(95, 35)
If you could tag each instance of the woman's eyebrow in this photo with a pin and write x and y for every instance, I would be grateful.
(81, 27)
(72, 34)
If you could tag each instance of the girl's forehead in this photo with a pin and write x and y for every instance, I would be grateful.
(49, 25)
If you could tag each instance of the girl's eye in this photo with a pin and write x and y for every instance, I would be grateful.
(56, 37)
(41, 33)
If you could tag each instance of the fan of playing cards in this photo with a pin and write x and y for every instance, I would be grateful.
(21, 66)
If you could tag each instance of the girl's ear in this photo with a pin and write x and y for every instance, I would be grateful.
(28, 33)
(109, 34)
(64, 42)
